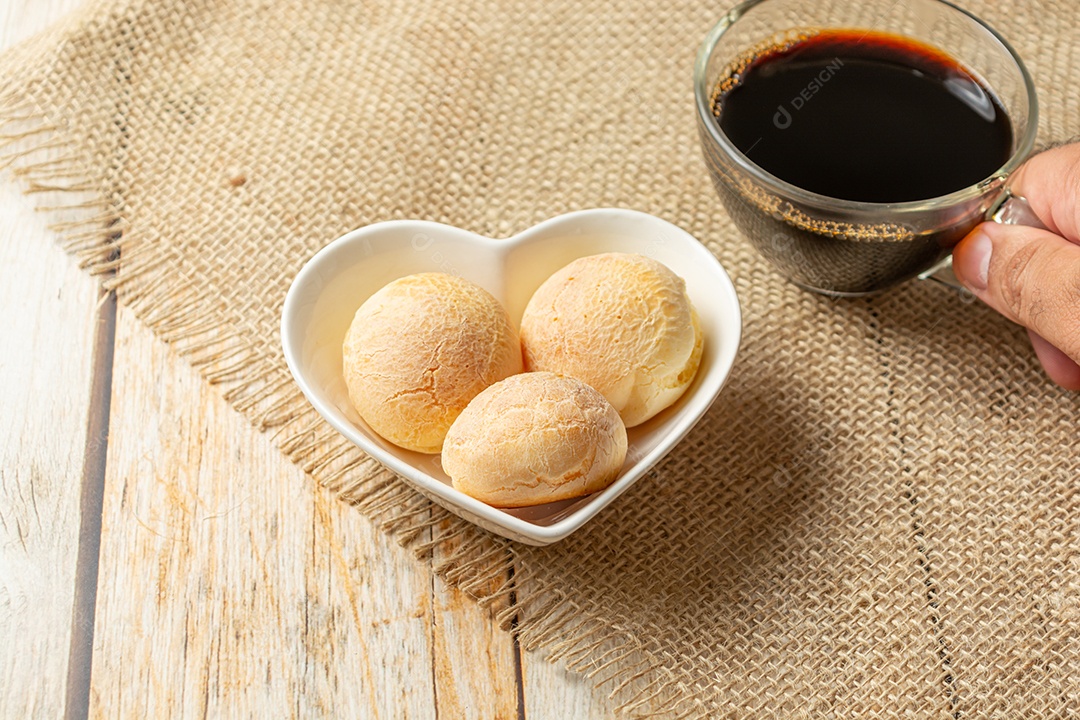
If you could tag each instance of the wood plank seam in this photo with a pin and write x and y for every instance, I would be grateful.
(432, 630)
(519, 676)
(80, 655)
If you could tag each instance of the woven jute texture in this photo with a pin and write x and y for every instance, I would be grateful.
(880, 517)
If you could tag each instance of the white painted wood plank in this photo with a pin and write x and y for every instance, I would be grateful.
(552, 692)
(229, 583)
(475, 670)
(46, 360)
(45, 373)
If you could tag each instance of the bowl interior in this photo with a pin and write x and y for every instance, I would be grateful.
(330, 288)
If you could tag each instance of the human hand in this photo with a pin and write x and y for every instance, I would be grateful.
(1032, 276)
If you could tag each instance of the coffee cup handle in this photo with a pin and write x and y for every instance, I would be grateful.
(1008, 209)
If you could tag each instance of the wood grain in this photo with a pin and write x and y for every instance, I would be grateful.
(551, 691)
(475, 670)
(230, 584)
(45, 376)
(46, 363)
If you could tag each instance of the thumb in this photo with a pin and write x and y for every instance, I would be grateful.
(1030, 276)
(1058, 365)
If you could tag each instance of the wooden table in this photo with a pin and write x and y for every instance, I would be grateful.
(160, 558)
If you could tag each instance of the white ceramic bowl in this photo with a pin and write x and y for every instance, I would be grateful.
(326, 293)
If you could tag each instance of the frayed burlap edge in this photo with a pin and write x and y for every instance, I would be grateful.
(147, 279)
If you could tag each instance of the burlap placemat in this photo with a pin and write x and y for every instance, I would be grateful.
(880, 516)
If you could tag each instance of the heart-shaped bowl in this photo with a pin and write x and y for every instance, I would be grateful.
(328, 290)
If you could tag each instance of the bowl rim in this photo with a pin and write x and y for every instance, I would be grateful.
(291, 340)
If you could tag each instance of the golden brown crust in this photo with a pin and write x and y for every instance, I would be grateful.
(535, 438)
(419, 350)
(621, 323)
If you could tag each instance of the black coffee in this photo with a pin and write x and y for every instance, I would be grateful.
(864, 116)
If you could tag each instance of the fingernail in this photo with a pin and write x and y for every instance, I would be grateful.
(977, 261)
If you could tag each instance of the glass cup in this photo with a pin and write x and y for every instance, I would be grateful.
(844, 247)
